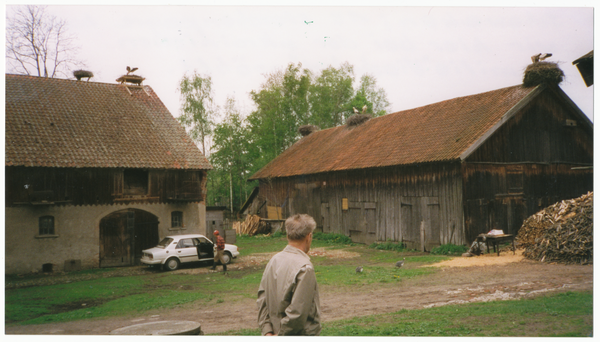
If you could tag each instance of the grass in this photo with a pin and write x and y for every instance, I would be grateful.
(91, 294)
(449, 249)
(561, 315)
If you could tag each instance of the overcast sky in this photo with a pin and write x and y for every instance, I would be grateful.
(419, 55)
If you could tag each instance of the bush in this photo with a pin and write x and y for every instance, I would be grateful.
(449, 249)
(332, 238)
(389, 246)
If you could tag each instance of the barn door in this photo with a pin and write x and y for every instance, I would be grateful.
(325, 219)
(432, 218)
(123, 236)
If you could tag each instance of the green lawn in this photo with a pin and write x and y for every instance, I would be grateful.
(561, 315)
(99, 293)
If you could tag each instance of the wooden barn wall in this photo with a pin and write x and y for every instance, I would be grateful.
(88, 186)
(499, 196)
(383, 204)
(543, 131)
(533, 161)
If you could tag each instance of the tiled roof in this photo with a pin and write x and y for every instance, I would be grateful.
(64, 123)
(441, 131)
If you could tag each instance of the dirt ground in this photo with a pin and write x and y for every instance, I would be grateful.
(461, 280)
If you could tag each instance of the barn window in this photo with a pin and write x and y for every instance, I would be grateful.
(176, 219)
(514, 179)
(135, 182)
(46, 225)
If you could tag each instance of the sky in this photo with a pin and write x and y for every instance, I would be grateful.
(419, 55)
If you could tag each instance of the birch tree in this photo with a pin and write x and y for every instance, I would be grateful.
(197, 109)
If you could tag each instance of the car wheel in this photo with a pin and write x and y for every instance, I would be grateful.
(226, 258)
(171, 264)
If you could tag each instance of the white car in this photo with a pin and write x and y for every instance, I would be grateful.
(174, 250)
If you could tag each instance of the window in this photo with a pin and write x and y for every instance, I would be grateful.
(187, 243)
(135, 182)
(177, 219)
(46, 225)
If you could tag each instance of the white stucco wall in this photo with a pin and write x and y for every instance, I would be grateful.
(77, 233)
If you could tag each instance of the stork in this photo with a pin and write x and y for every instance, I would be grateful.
(130, 70)
(540, 57)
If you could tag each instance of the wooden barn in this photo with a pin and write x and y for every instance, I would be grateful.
(94, 173)
(450, 170)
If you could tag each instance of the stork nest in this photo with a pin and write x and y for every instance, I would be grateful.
(357, 119)
(307, 129)
(542, 72)
(135, 79)
(79, 74)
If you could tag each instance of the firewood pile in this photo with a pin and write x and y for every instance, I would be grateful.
(252, 226)
(562, 232)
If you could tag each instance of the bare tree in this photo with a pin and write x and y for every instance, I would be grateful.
(39, 43)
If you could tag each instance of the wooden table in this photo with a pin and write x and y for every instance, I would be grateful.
(495, 241)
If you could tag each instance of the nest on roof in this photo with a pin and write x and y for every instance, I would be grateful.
(79, 74)
(542, 72)
(307, 129)
(357, 119)
(135, 79)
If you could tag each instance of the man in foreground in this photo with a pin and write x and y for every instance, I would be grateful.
(288, 298)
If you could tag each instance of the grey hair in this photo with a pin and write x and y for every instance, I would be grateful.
(299, 226)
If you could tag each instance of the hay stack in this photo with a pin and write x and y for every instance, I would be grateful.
(308, 129)
(357, 119)
(542, 72)
(562, 232)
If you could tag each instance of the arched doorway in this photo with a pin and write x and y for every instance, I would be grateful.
(123, 236)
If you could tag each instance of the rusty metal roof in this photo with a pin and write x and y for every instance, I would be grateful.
(64, 123)
(441, 131)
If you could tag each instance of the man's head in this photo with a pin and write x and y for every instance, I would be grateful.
(299, 230)
(216, 232)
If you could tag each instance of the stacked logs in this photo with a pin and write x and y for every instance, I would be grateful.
(562, 232)
(252, 226)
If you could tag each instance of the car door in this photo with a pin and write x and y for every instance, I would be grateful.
(186, 250)
(205, 249)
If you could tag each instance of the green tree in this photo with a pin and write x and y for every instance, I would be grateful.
(331, 95)
(374, 97)
(230, 158)
(197, 110)
(281, 107)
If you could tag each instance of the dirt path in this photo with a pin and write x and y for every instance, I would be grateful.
(461, 280)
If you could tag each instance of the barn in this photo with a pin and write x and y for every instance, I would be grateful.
(438, 174)
(94, 174)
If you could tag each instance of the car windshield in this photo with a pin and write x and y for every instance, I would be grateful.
(164, 243)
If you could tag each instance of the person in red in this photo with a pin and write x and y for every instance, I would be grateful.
(220, 247)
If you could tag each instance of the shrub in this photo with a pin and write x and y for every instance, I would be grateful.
(449, 249)
(332, 238)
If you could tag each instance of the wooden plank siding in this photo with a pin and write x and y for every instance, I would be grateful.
(384, 203)
(97, 186)
(492, 202)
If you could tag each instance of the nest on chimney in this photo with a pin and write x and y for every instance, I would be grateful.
(79, 74)
(307, 129)
(357, 119)
(542, 72)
